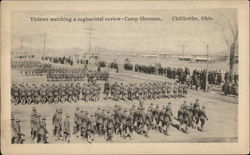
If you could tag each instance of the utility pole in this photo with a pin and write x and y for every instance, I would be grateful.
(44, 43)
(90, 33)
(206, 87)
(183, 46)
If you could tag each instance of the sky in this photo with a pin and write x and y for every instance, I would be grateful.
(160, 37)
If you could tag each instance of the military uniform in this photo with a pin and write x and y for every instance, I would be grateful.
(66, 128)
(203, 117)
(42, 131)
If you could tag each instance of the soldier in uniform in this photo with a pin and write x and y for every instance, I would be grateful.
(63, 94)
(156, 114)
(32, 122)
(17, 139)
(180, 116)
(185, 89)
(97, 115)
(50, 95)
(42, 93)
(91, 128)
(203, 117)
(118, 120)
(53, 121)
(70, 93)
(150, 91)
(66, 129)
(196, 110)
(77, 114)
(87, 93)
(29, 95)
(167, 120)
(163, 89)
(98, 87)
(180, 90)
(141, 121)
(42, 131)
(36, 127)
(100, 122)
(106, 89)
(110, 126)
(36, 98)
(56, 94)
(175, 90)
(130, 121)
(129, 92)
(58, 124)
(169, 90)
(84, 126)
(23, 95)
(186, 114)
(162, 119)
(149, 121)
(124, 127)
(13, 130)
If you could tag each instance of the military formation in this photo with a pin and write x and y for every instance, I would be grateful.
(108, 122)
(24, 64)
(146, 90)
(55, 93)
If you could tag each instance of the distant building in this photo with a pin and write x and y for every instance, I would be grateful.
(186, 58)
(202, 59)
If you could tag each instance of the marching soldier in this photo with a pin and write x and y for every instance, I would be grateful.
(149, 121)
(118, 120)
(124, 128)
(17, 139)
(106, 89)
(203, 117)
(42, 131)
(196, 110)
(84, 126)
(110, 126)
(36, 126)
(91, 128)
(66, 129)
(167, 120)
(161, 119)
(130, 121)
(57, 120)
(180, 116)
(32, 122)
(77, 114)
(13, 130)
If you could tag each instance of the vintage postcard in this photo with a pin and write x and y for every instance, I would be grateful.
(124, 77)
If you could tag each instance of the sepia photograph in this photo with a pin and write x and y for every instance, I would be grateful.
(124, 76)
(161, 76)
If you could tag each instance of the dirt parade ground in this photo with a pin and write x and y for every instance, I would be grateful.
(222, 112)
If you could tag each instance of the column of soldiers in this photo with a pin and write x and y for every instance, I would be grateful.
(108, 122)
(126, 122)
(144, 91)
(66, 74)
(23, 64)
(55, 93)
(75, 75)
(189, 116)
